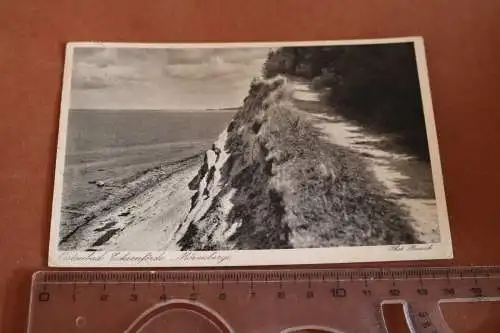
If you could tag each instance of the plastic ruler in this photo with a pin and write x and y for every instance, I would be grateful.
(251, 301)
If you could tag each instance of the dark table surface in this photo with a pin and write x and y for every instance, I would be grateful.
(462, 39)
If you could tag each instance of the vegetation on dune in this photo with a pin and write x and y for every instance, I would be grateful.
(291, 184)
(294, 190)
(375, 85)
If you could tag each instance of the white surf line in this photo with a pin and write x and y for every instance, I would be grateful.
(341, 132)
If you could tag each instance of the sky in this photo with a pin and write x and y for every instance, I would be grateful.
(162, 79)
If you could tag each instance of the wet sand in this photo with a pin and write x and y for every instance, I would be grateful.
(148, 221)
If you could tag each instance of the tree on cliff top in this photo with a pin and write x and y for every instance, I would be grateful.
(376, 85)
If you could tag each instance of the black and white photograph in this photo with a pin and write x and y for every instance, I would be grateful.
(247, 154)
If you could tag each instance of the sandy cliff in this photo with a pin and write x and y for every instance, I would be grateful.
(270, 181)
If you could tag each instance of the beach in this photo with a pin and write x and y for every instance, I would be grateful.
(113, 155)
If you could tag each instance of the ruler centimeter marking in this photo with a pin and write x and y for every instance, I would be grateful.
(318, 274)
(347, 300)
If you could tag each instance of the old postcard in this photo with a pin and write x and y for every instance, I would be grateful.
(247, 154)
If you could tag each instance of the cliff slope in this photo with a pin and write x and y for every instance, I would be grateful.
(270, 181)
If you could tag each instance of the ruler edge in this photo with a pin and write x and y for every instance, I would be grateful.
(279, 274)
(487, 270)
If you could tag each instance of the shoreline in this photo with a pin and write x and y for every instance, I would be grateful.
(140, 183)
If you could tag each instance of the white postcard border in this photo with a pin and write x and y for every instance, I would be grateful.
(353, 254)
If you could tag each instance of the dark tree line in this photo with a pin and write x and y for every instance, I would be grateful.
(376, 85)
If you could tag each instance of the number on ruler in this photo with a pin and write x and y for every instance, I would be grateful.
(133, 298)
(394, 292)
(367, 292)
(449, 291)
(476, 291)
(339, 292)
(104, 297)
(43, 296)
(422, 291)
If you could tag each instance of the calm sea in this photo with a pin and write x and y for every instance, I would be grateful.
(112, 146)
(93, 130)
